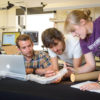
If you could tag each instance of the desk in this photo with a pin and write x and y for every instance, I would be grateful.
(12, 89)
(10, 50)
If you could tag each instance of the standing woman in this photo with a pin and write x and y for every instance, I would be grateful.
(80, 24)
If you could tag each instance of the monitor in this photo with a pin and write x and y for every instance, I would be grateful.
(9, 38)
(33, 35)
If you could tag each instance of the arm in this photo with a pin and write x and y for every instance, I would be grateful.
(29, 70)
(99, 78)
(77, 55)
(88, 67)
(54, 59)
(77, 62)
(54, 62)
(41, 71)
(90, 63)
(50, 70)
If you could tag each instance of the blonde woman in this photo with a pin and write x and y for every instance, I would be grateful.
(80, 24)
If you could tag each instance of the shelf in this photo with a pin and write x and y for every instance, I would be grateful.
(57, 20)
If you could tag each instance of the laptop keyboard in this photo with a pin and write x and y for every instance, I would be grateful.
(4, 74)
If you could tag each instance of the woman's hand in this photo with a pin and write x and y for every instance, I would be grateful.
(90, 86)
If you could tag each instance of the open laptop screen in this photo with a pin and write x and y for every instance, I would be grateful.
(12, 66)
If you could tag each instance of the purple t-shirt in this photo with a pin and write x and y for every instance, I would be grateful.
(92, 43)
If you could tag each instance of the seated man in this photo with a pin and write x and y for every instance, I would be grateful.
(67, 49)
(36, 61)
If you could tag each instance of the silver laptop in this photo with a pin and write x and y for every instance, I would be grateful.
(12, 66)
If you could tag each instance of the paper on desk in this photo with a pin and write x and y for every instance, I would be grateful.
(83, 83)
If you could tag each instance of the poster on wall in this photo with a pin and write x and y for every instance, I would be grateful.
(9, 38)
(34, 36)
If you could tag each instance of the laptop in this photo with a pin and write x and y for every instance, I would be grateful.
(12, 66)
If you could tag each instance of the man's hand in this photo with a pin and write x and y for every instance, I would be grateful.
(50, 73)
(67, 64)
(29, 70)
(73, 70)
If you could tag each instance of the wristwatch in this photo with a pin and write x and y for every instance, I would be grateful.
(34, 69)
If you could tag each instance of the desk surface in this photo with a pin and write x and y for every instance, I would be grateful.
(12, 89)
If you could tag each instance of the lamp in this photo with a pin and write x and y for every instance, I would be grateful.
(10, 5)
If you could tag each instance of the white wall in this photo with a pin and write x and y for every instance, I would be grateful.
(39, 22)
(7, 20)
(62, 14)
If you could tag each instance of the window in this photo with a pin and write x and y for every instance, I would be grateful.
(33, 35)
(37, 23)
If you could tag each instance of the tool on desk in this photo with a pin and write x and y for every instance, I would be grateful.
(84, 76)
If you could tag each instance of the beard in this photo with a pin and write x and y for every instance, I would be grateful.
(60, 51)
(29, 54)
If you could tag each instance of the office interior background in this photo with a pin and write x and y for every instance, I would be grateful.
(37, 15)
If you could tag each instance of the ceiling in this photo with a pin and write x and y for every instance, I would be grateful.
(53, 4)
(30, 3)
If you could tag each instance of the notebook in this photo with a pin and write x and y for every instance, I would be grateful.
(12, 66)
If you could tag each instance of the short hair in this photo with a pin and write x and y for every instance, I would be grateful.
(22, 37)
(51, 34)
(74, 17)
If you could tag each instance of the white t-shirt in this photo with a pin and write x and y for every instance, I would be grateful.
(72, 50)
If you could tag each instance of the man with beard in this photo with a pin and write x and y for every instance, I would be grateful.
(67, 49)
(36, 62)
